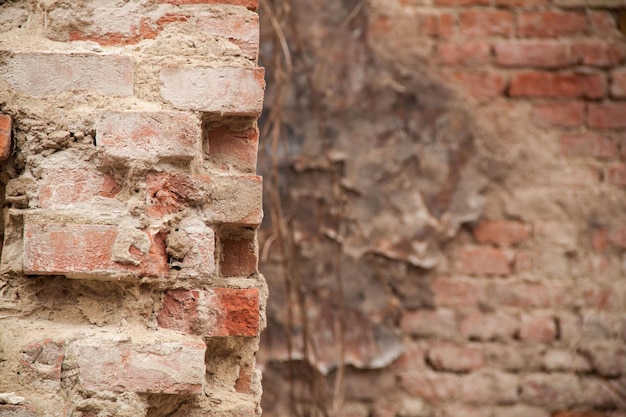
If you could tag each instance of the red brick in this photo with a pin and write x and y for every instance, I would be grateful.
(92, 251)
(228, 149)
(618, 83)
(171, 192)
(138, 28)
(464, 53)
(458, 292)
(398, 29)
(598, 52)
(445, 24)
(533, 53)
(589, 144)
(537, 328)
(570, 114)
(603, 23)
(106, 74)
(551, 24)
(482, 260)
(488, 22)
(219, 312)
(238, 257)
(230, 91)
(241, 29)
(168, 136)
(438, 323)
(502, 232)
(555, 85)
(6, 130)
(41, 364)
(481, 84)
(455, 358)
(608, 115)
(250, 4)
(158, 367)
(489, 326)
(64, 187)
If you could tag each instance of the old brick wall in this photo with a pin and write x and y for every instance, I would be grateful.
(129, 282)
(456, 194)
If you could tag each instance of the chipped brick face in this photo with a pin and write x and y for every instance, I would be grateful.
(129, 171)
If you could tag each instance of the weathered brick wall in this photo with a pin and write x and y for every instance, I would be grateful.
(129, 281)
(470, 204)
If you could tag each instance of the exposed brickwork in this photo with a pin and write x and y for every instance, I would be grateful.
(128, 142)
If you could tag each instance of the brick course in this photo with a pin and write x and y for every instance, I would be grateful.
(129, 139)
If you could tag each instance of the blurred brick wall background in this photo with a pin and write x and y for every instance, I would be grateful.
(451, 180)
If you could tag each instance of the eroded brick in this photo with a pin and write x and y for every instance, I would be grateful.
(532, 53)
(242, 29)
(608, 115)
(454, 358)
(588, 145)
(553, 85)
(106, 74)
(164, 367)
(228, 149)
(250, 4)
(238, 256)
(538, 328)
(64, 187)
(92, 251)
(41, 364)
(571, 114)
(489, 326)
(502, 232)
(226, 90)
(237, 200)
(162, 135)
(218, 312)
(551, 24)
(171, 192)
(482, 260)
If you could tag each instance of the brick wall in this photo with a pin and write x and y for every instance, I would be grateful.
(128, 142)
(521, 309)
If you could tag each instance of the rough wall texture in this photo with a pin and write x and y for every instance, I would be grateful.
(129, 281)
(453, 183)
